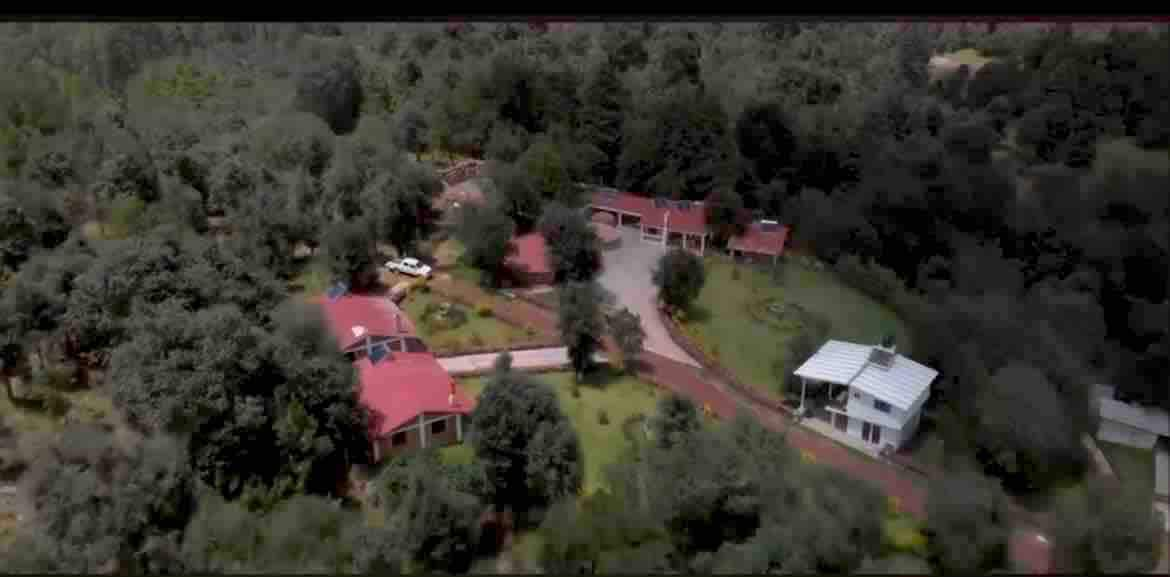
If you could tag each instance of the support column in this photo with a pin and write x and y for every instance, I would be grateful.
(802, 387)
(702, 245)
(422, 431)
(459, 427)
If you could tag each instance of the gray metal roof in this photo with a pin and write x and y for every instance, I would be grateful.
(1148, 419)
(902, 385)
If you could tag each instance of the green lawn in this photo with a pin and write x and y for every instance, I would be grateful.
(449, 258)
(477, 331)
(86, 405)
(1134, 467)
(726, 318)
(619, 396)
(311, 281)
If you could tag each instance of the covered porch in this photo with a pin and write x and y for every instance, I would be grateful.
(696, 243)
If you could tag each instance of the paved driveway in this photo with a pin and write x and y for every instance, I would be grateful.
(627, 275)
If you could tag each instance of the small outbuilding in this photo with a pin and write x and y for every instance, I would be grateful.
(528, 263)
(762, 239)
(1129, 424)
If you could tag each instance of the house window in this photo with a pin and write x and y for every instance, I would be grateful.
(881, 405)
(398, 439)
(439, 427)
(856, 395)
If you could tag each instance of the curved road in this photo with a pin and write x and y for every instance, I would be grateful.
(627, 274)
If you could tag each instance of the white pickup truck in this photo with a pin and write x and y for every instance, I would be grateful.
(410, 267)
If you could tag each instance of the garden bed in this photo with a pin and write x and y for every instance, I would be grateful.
(451, 328)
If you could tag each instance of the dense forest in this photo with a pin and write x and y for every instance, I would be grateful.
(157, 179)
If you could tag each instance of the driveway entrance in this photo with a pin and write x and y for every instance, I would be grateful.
(627, 274)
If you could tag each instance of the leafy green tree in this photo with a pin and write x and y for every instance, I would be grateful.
(331, 89)
(516, 193)
(681, 146)
(626, 328)
(765, 139)
(1024, 428)
(679, 276)
(304, 533)
(601, 121)
(127, 174)
(438, 522)
(580, 322)
(914, 52)
(1106, 531)
(349, 253)
(402, 206)
(966, 525)
(411, 130)
(547, 170)
(528, 446)
(262, 419)
(574, 250)
(100, 504)
(293, 141)
(678, 59)
(675, 418)
(726, 215)
(486, 234)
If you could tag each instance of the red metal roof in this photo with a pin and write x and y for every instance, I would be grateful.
(399, 389)
(530, 255)
(378, 315)
(1030, 552)
(759, 241)
(692, 221)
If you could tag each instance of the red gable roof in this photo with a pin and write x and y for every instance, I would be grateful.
(378, 315)
(530, 254)
(406, 385)
(757, 240)
(692, 221)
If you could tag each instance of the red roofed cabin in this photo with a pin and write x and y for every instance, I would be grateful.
(358, 322)
(413, 401)
(663, 221)
(528, 264)
(764, 238)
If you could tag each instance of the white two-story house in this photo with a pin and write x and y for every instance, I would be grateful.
(873, 393)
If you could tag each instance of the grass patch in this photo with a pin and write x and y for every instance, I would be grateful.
(903, 534)
(969, 56)
(87, 406)
(726, 317)
(1134, 467)
(311, 281)
(619, 396)
(1122, 154)
(449, 259)
(477, 331)
(461, 454)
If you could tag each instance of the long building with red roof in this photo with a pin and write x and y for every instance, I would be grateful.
(667, 222)
(413, 401)
(684, 223)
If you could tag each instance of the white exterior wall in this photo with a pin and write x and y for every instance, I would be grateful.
(866, 400)
(1122, 434)
(889, 436)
